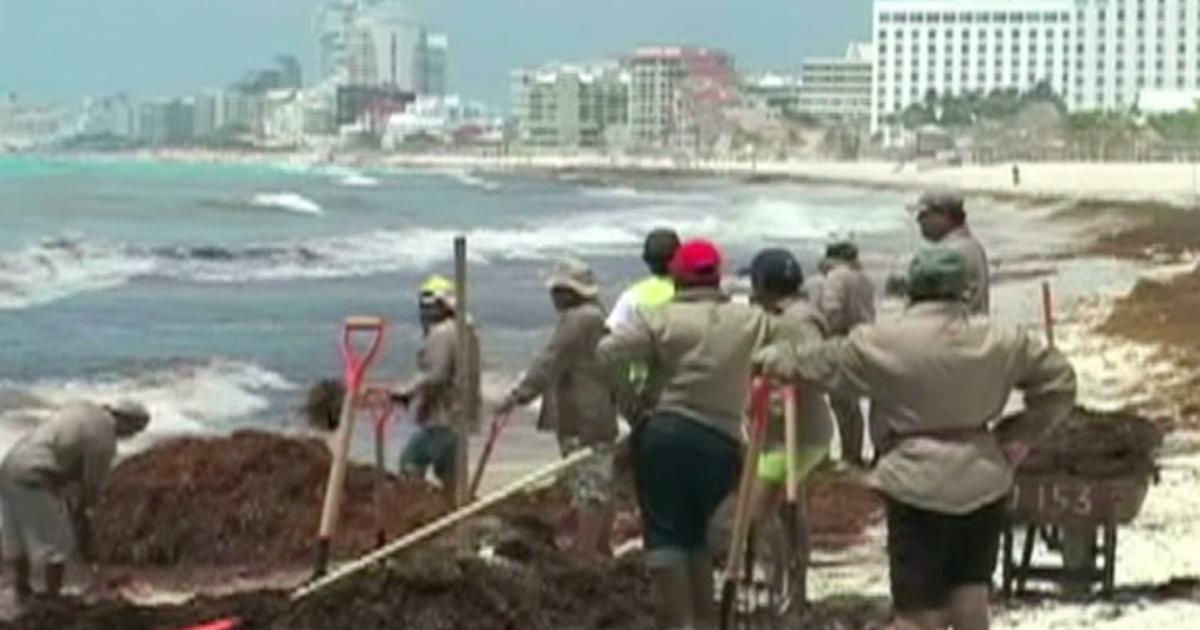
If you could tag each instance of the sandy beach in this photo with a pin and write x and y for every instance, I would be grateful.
(1174, 183)
(1122, 267)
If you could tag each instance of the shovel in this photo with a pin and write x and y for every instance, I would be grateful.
(356, 363)
(430, 530)
(498, 424)
(760, 412)
(383, 415)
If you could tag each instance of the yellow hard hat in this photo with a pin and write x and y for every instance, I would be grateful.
(438, 288)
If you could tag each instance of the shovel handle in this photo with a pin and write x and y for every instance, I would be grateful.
(382, 416)
(760, 412)
(356, 364)
(791, 401)
(356, 368)
(1048, 312)
(498, 425)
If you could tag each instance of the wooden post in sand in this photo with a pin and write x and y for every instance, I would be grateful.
(462, 385)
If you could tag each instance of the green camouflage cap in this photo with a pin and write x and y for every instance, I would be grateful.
(937, 273)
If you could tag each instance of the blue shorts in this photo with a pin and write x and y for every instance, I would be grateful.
(683, 470)
(430, 447)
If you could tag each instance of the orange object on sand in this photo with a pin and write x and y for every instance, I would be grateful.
(223, 624)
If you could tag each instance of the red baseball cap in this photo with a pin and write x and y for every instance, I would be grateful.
(696, 260)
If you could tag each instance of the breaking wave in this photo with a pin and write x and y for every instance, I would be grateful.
(61, 267)
(287, 202)
(358, 180)
(471, 180)
(628, 193)
(184, 397)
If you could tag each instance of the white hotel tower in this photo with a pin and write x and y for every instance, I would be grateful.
(1096, 54)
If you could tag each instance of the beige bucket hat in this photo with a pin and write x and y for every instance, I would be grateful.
(573, 274)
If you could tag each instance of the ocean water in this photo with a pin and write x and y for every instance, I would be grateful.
(214, 292)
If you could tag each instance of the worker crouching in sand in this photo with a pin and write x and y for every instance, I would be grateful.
(433, 390)
(777, 279)
(577, 403)
(940, 379)
(698, 349)
(49, 483)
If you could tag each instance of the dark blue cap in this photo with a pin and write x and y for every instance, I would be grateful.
(776, 271)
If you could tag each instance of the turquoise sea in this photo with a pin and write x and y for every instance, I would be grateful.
(214, 292)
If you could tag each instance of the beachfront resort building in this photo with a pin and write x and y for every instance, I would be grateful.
(571, 106)
(778, 94)
(1125, 48)
(674, 91)
(654, 98)
(927, 48)
(838, 87)
(1095, 54)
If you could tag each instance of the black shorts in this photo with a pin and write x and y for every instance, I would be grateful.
(932, 553)
(683, 470)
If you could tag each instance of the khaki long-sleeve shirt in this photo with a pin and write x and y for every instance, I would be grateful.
(800, 323)
(699, 349)
(76, 446)
(437, 376)
(938, 381)
(979, 288)
(846, 297)
(577, 402)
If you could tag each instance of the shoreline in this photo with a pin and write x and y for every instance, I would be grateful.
(1134, 185)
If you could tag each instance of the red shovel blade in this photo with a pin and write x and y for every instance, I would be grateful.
(223, 624)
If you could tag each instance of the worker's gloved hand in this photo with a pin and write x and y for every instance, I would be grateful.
(777, 360)
(1015, 452)
(402, 397)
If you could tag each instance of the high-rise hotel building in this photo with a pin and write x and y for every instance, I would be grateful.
(1095, 54)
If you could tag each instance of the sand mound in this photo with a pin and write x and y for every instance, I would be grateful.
(1097, 445)
(439, 590)
(1159, 311)
(250, 498)
(254, 498)
(532, 587)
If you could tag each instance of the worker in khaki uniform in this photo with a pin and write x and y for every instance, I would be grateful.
(685, 452)
(577, 402)
(847, 299)
(62, 461)
(777, 280)
(940, 380)
(434, 388)
(943, 221)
